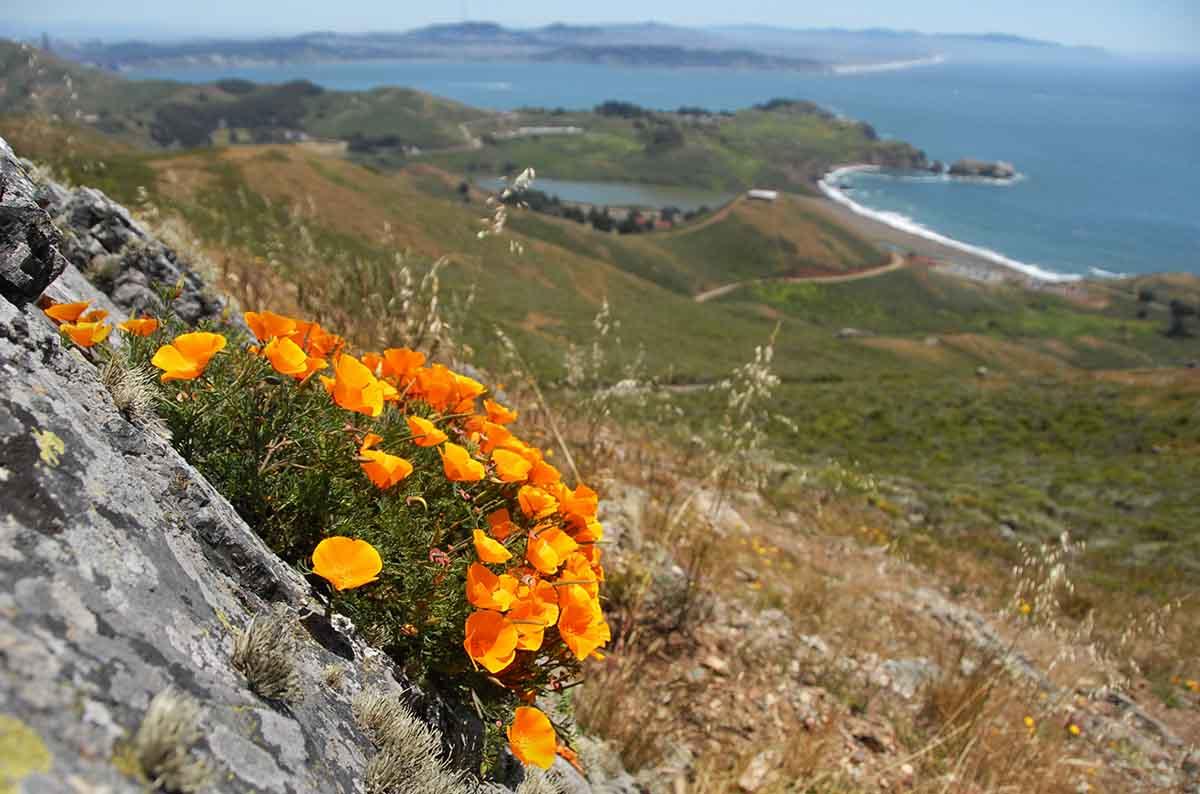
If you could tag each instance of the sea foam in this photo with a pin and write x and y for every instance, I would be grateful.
(906, 224)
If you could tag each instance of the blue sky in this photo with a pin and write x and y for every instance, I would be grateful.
(1145, 26)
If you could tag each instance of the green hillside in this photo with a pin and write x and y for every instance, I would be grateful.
(168, 114)
(993, 404)
(783, 144)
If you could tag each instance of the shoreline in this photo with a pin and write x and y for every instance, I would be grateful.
(886, 66)
(895, 229)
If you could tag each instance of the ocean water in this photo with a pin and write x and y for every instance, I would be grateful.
(1108, 153)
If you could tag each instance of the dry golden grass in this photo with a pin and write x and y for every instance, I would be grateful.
(1006, 355)
(914, 348)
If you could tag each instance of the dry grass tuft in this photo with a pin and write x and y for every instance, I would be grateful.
(538, 782)
(264, 652)
(163, 742)
(134, 394)
(410, 753)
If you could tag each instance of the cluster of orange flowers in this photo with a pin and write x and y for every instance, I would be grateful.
(542, 545)
(87, 327)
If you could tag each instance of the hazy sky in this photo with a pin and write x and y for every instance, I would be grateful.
(1147, 26)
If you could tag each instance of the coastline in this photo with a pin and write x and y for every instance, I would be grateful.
(897, 230)
(887, 66)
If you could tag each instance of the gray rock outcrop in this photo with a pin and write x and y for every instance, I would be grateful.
(984, 169)
(102, 239)
(29, 255)
(124, 575)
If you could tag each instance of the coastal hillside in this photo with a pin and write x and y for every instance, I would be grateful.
(966, 370)
(173, 115)
(782, 144)
(851, 619)
(818, 506)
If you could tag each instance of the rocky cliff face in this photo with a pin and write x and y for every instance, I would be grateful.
(29, 259)
(124, 575)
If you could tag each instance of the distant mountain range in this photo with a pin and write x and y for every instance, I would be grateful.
(646, 44)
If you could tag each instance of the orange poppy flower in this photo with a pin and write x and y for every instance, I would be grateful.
(188, 355)
(486, 590)
(373, 362)
(531, 632)
(425, 433)
(585, 530)
(355, 388)
(491, 640)
(289, 359)
(498, 414)
(86, 334)
(267, 325)
(578, 568)
(488, 549)
(466, 389)
(535, 610)
(496, 436)
(543, 475)
(581, 624)
(546, 550)
(139, 326)
(66, 312)
(346, 563)
(400, 362)
(500, 524)
(315, 340)
(536, 503)
(582, 502)
(383, 469)
(458, 464)
(436, 386)
(93, 316)
(531, 737)
(539, 600)
(510, 467)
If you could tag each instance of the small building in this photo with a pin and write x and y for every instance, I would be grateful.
(762, 195)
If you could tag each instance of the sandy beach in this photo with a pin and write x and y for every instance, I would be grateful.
(955, 260)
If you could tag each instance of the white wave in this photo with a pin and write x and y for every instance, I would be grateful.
(906, 224)
(1100, 272)
(888, 66)
(498, 85)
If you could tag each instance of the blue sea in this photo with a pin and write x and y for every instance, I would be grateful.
(1108, 153)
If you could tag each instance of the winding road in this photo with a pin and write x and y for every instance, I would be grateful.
(896, 262)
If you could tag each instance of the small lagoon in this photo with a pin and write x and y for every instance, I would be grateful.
(620, 194)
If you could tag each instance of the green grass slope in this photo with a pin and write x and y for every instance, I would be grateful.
(785, 147)
(744, 241)
(1079, 423)
(168, 114)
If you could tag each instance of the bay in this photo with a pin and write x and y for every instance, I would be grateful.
(1108, 152)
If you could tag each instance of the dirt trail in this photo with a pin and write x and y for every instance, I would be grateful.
(895, 263)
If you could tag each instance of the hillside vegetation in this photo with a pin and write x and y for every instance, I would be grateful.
(167, 114)
(804, 473)
(784, 144)
(1073, 427)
